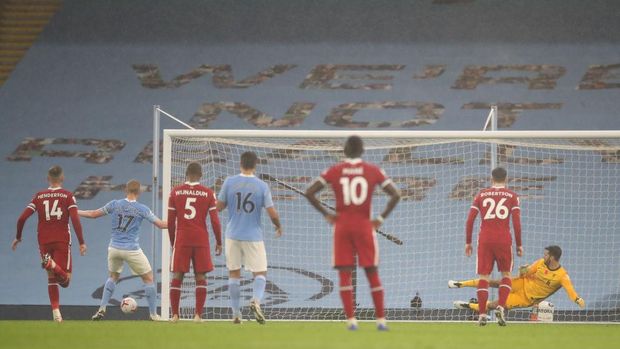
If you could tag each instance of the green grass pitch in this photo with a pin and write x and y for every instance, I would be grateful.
(282, 334)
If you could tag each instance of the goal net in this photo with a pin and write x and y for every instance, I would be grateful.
(568, 183)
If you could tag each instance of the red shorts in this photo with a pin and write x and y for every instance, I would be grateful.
(198, 255)
(351, 240)
(60, 252)
(490, 253)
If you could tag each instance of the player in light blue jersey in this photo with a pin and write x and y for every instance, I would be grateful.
(127, 215)
(245, 195)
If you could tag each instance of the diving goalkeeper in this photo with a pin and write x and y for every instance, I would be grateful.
(534, 284)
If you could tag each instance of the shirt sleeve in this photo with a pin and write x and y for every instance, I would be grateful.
(148, 214)
(471, 218)
(268, 200)
(382, 178)
(222, 194)
(108, 208)
(568, 286)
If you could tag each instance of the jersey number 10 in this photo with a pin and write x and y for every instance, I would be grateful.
(354, 190)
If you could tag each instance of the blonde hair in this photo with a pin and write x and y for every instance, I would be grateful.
(133, 187)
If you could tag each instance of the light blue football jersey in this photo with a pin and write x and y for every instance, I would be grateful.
(126, 219)
(245, 197)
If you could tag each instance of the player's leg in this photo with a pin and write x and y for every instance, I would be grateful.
(115, 267)
(368, 255)
(108, 291)
(504, 259)
(232, 252)
(179, 266)
(484, 266)
(201, 260)
(470, 283)
(57, 259)
(344, 262)
(52, 283)
(255, 260)
(139, 265)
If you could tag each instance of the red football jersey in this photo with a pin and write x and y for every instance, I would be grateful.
(496, 205)
(52, 207)
(353, 182)
(188, 207)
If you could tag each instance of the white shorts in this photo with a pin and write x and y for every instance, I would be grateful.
(250, 254)
(136, 260)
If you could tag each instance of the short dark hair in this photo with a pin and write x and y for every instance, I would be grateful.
(499, 174)
(353, 147)
(55, 172)
(248, 160)
(193, 170)
(133, 186)
(554, 251)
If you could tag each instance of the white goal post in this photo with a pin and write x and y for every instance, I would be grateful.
(568, 182)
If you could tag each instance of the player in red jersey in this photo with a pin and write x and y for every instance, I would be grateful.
(353, 182)
(54, 207)
(188, 206)
(495, 205)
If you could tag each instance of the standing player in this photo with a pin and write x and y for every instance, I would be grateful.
(54, 207)
(245, 195)
(353, 182)
(127, 215)
(495, 205)
(534, 284)
(188, 206)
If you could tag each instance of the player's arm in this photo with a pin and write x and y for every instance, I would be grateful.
(28, 211)
(390, 189)
(571, 293)
(469, 226)
(217, 229)
(275, 219)
(221, 197)
(172, 220)
(271, 211)
(516, 225)
(91, 213)
(310, 194)
(77, 226)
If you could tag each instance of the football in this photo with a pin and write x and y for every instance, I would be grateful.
(129, 305)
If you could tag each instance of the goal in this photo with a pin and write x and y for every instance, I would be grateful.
(568, 181)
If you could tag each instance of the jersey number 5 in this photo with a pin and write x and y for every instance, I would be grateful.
(189, 207)
(54, 211)
(354, 190)
(500, 211)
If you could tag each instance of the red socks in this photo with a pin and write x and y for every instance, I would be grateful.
(201, 295)
(52, 290)
(483, 295)
(175, 295)
(376, 290)
(346, 293)
(505, 286)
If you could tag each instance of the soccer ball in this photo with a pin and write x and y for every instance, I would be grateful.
(129, 305)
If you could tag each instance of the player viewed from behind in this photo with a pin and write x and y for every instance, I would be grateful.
(353, 182)
(534, 284)
(54, 207)
(126, 217)
(245, 195)
(495, 205)
(188, 206)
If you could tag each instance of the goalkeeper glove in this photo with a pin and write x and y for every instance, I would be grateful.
(523, 269)
(580, 302)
